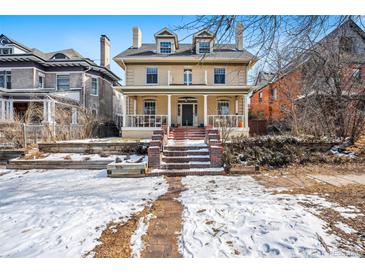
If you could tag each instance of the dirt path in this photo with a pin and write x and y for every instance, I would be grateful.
(160, 241)
(163, 230)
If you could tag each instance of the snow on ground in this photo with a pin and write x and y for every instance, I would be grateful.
(227, 216)
(87, 157)
(56, 213)
(106, 140)
(136, 239)
(186, 142)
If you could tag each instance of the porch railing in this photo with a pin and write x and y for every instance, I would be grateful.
(219, 121)
(146, 120)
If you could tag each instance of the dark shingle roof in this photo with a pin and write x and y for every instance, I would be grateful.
(224, 51)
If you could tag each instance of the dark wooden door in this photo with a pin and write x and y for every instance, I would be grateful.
(187, 115)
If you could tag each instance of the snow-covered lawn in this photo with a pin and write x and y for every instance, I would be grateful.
(227, 216)
(56, 213)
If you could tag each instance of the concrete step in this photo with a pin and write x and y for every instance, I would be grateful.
(187, 172)
(185, 148)
(185, 159)
(187, 165)
(174, 153)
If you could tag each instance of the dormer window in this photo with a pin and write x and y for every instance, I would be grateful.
(204, 47)
(165, 47)
(346, 44)
(5, 51)
(59, 56)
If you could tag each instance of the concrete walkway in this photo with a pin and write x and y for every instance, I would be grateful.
(340, 180)
(163, 230)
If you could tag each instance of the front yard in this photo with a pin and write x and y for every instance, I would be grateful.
(76, 213)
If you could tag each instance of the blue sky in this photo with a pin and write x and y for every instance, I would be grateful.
(82, 33)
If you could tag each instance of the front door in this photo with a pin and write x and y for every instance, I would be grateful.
(187, 115)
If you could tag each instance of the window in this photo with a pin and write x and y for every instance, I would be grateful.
(282, 108)
(346, 44)
(204, 47)
(188, 77)
(152, 75)
(63, 82)
(273, 94)
(40, 81)
(165, 47)
(223, 107)
(356, 73)
(219, 76)
(4, 51)
(5, 79)
(94, 86)
(149, 107)
(59, 56)
(260, 97)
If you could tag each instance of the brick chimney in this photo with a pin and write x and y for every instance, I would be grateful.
(239, 36)
(137, 37)
(104, 51)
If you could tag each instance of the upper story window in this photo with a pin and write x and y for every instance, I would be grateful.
(204, 47)
(165, 47)
(223, 107)
(5, 79)
(356, 73)
(152, 76)
(40, 81)
(4, 51)
(59, 56)
(149, 107)
(63, 82)
(274, 94)
(188, 77)
(219, 76)
(346, 44)
(94, 86)
(261, 96)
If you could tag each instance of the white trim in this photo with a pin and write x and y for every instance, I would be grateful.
(205, 109)
(158, 78)
(169, 110)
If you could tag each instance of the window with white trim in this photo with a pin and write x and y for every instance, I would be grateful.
(165, 47)
(5, 79)
(63, 82)
(152, 76)
(219, 76)
(5, 51)
(223, 107)
(274, 94)
(261, 96)
(149, 107)
(204, 47)
(188, 77)
(94, 86)
(356, 73)
(40, 81)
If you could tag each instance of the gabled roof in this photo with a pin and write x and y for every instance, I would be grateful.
(165, 32)
(12, 41)
(203, 33)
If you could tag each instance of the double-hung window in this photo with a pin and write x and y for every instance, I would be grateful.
(274, 94)
(356, 73)
(40, 81)
(152, 75)
(149, 107)
(223, 107)
(219, 76)
(94, 86)
(261, 97)
(63, 82)
(204, 47)
(5, 79)
(165, 47)
(188, 77)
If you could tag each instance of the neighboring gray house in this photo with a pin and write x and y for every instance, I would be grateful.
(62, 77)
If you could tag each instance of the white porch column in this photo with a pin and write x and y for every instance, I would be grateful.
(11, 109)
(45, 111)
(135, 106)
(245, 107)
(49, 112)
(52, 111)
(169, 110)
(2, 109)
(124, 110)
(74, 116)
(205, 110)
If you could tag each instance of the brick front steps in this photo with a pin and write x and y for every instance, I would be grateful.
(187, 172)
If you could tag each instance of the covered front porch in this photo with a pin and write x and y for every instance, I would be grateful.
(145, 112)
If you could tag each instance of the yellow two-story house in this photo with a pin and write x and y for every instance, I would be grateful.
(197, 84)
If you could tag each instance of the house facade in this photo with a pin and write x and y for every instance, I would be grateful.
(61, 78)
(197, 84)
(275, 95)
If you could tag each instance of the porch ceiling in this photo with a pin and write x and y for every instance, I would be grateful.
(178, 90)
